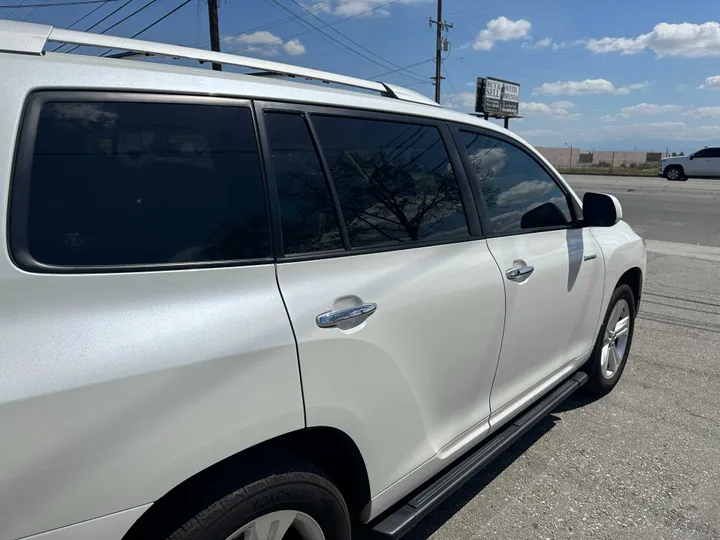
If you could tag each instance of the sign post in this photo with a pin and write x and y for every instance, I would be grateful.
(496, 98)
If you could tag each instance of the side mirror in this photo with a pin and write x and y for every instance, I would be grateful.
(601, 210)
(690, 156)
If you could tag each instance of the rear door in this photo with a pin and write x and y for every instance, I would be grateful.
(701, 163)
(552, 269)
(395, 299)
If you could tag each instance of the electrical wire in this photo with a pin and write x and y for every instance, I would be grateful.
(150, 3)
(396, 70)
(33, 10)
(447, 78)
(94, 25)
(149, 26)
(16, 8)
(326, 25)
(86, 15)
(54, 4)
(357, 53)
(393, 64)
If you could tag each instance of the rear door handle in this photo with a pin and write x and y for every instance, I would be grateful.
(519, 273)
(333, 318)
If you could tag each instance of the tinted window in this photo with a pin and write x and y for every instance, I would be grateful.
(714, 152)
(394, 181)
(518, 193)
(704, 153)
(309, 221)
(145, 183)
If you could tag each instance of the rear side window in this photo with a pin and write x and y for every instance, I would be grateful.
(307, 211)
(123, 183)
(394, 181)
(519, 194)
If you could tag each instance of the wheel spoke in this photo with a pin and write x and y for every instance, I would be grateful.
(622, 327)
(614, 316)
(272, 526)
(605, 356)
(612, 359)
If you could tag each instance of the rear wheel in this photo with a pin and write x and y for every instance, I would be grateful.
(674, 172)
(613, 343)
(301, 504)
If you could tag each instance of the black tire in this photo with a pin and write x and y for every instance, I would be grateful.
(597, 383)
(675, 168)
(303, 489)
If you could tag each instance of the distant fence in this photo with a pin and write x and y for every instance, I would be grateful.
(570, 158)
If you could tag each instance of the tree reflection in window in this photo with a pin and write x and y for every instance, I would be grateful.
(394, 181)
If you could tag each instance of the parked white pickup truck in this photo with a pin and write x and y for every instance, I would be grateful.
(704, 163)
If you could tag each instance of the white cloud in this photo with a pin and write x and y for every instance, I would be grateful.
(539, 44)
(682, 86)
(588, 86)
(294, 47)
(647, 109)
(621, 45)
(711, 83)
(529, 133)
(608, 118)
(685, 39)
(524, 192)
(561, 45)
(352, 8)
(704, 112)
(264, 43)
(501, 29)
(464, 101)
(639, 86)
(558, 109)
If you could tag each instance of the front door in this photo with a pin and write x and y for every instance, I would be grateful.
(540, 251)
(396, 302)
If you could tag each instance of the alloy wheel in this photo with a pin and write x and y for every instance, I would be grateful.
(617, 333)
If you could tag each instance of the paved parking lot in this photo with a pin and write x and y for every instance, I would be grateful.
(643, 462)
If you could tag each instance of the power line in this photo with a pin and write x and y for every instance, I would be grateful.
(33, 10)
(55, 4)
(151, 2)
(16, 8)
(447, 77)
(97, 23)
(396, 70)
(149, 26)
(361, 55)
(86, 15)
(326, 25)
(353, 41)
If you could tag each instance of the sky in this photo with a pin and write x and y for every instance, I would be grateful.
(593, 74)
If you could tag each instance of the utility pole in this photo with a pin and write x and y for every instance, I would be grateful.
(441, 44)
(214, 30)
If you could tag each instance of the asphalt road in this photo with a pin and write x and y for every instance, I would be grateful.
(642, 463)
(684, 212)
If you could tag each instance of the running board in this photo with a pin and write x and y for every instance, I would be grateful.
(421, 504)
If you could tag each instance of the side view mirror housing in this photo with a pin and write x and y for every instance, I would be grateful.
(601, 210)
(690, 156)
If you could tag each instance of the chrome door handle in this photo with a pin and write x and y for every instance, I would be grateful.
(333, 318)
(517, 273)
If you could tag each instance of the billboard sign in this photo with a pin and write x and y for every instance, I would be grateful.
(497, 97)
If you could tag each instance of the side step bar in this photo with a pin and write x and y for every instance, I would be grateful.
(422, 503)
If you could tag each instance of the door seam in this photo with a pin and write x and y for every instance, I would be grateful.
(297, 346)
(502, 338)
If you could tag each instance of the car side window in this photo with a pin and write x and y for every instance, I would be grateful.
(138, 183)
(307, 211)
(519, 194)
(704, 153)
(394, 181)
(714, 153)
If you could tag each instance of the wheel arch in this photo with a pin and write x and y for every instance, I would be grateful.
(328, 449)
(633, 278)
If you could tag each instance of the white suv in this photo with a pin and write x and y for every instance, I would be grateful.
(704, 163)
(238, 307)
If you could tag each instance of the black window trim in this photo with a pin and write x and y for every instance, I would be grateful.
(475, 231)
(16, 224)
(575, 209)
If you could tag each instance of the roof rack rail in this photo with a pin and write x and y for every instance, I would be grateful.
(30, 38)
